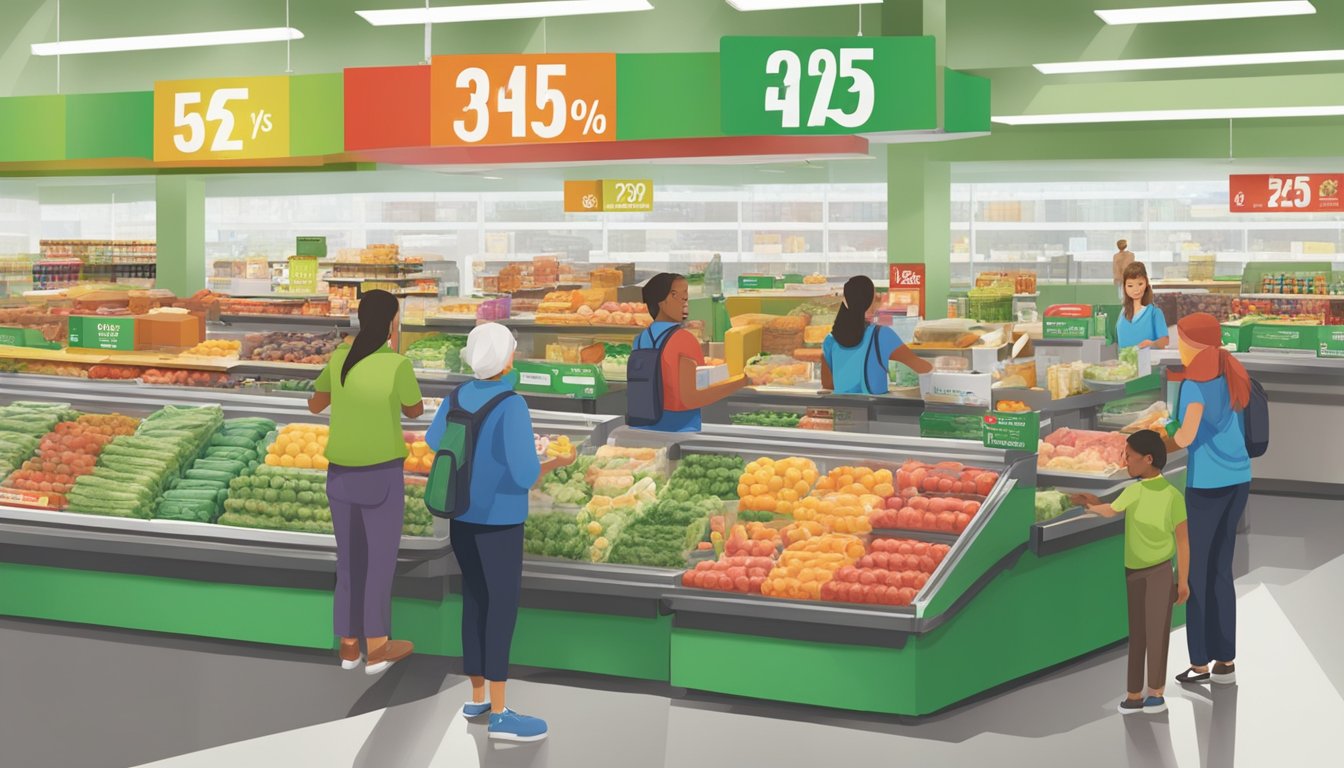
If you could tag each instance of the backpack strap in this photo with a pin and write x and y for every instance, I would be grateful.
(873, 350)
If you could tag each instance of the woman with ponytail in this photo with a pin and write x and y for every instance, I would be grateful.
(854, 356)
(369, 387)
(1214, 392)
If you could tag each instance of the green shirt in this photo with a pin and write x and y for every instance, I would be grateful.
(1153, 508)
(366, 409)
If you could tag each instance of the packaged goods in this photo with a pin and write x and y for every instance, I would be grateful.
(778, 370)
(1066, 379)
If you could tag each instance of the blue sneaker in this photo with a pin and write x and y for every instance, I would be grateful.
(471, 710)
(511, 726)
(1154, 705)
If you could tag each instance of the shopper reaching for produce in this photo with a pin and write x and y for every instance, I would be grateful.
(369, 388)
(661, 389)
(1142, 324)
(488, 537)
(1155, 532)
(855, 354)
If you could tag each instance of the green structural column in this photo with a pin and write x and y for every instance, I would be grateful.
(180, 225)
(919, 220)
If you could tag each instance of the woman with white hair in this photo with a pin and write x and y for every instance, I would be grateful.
(488, 538)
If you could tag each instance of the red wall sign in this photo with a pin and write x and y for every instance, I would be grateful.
(1284, 193)
(908, 277)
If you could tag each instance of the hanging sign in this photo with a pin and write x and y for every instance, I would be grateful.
(229, 118)
(609, 196)
(908, 278)
(827, 85)
(1286, 193)
(490, 99)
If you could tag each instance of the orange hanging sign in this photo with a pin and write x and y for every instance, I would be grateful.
(522, 99)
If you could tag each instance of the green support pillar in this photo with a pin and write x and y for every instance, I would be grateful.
(919, 220)
(180, 233)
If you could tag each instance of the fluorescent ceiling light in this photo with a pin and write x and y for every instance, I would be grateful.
(156, 42)
(1188, 62)
(500, 11)
(1148, 115)
(777, 5)
(1206, 12)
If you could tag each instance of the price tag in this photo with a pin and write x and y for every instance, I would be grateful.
(1287, 193)
(522, 99)
(819, 85)
(231, 118)
(1012, 431)
(609, 196)
(13, 337)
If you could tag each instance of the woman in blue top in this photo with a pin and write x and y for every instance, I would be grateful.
(488, 539)
(1215, 390)
(1142, 324)
(854, 356)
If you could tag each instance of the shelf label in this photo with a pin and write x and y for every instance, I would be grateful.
(102, 332)
(1067, 327)
(229, 118)
(1285, 193)
(1012, 431)
(559, 98)
(827, 85)
(1331, 341)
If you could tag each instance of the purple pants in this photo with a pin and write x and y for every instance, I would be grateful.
(367, 507)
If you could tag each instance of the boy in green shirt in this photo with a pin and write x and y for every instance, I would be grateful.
(1155, 532)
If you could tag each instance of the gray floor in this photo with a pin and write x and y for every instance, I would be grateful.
(72, 697)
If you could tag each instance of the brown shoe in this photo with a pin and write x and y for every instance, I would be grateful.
(350, 655)
(386, 655)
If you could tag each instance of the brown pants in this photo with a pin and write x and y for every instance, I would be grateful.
(1151, 596)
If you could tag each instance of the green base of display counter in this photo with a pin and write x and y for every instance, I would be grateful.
(1038, 613)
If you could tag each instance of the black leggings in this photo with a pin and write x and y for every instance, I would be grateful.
(491, 558)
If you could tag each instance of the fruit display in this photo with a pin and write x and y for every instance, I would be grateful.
(280, 347)
(738, 573)
(301, 446)
(69, 450)
(944, 477)
(1051, 504)
(774, 486)
(1012, 406)
(924, 513)
(419, 458)
(115, 372)
(133, 470)
(554, 534)
(778, 371)
(56, 369)
(182, 378)
(754, 539)
(1080, 450)
(664, 534)
(859, 481)
(806, 565)
(765, 419)
(556, 446)
(893, 574)
(838, 513)
(216, 348)
(699, 475)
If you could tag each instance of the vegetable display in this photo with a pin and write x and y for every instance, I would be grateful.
(699, 475)
(432, 351)
(1051, 504)
(554, 534)
(782, 419)
(300, 446)
(664, 534)
(70, 450)
(190, 498)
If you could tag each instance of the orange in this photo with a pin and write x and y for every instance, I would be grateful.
(312, 449)
(426, 462)
(272, 459)
(293, 449)
(287, 460)
(303, 461)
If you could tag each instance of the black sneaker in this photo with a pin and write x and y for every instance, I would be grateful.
(1191, 677)
(1130, 706)
(1154, 705)
(1224, 674)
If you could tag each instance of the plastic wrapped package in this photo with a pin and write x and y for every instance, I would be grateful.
(952, 332)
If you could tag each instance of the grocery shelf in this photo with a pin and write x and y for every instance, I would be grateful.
(1074, 528)
(1293, 296)
(311, 321)
(529, 326)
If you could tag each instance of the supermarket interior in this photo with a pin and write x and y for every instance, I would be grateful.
(929, 557)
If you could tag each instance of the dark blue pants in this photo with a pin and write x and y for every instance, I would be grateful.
(1211, 614)
(491, 558)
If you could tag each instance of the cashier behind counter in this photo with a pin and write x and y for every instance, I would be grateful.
(673, 392)
(1142, 323)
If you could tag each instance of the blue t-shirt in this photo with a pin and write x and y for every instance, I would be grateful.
(504, 464)
(1149, 324)
(672, 421)
(1218, 456)
(854, 368)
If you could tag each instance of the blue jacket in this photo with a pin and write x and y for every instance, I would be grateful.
(504, 463)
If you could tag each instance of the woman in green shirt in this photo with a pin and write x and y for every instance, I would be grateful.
(369, 388)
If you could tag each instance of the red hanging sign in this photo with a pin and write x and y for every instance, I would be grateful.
(907, 279)
(1285, 193)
